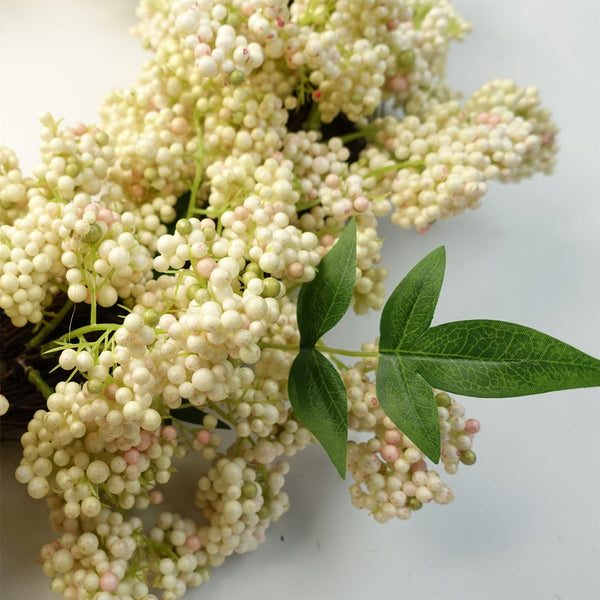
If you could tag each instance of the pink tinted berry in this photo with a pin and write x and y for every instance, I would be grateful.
(203, 437)
(390, 453)
(132, 456)
(109, 582)
(193, 542)
(169, 433)
(472, 426)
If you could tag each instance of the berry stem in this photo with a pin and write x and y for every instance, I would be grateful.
(339, 364)
(321, 348)
(104, 327)
(314, 118)
(286, 347)
(39, 338)
(199, 167)
(308, 205)
(406, 164)
(34, 377)
(365, 132)
(358, 353)
(227, 417)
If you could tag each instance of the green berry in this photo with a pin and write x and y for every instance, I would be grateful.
(236, 77)
(151, 317)
(264, 512)
(93, 235)
(209, 233)
(253, 268)
(95, 386)
(72, 169)
(150, 173)
(443, 400)
(148, 475)
(101, 138)
(406, 59)
(234, 19)
(249, 490)
(192, 290)
(248, 276)
(129, 302)
(414, 504)
(468, 457)
(184, 227)
(271, 287)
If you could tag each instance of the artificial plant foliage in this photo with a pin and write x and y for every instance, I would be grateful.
(407, 398)
(318, 397)
(409, 309)
(324, 301)
(491, 359)
(486, 358)
(316, 391)
(496, 359)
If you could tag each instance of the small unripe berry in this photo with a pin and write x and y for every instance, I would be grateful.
(468, 457)
(443, 399)
(93, 235)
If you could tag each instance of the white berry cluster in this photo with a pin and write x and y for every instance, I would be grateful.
(110, 557)
(30, 260)
(346, 55)
(13, 187)
(333, 196)
(434, 26)
(208, 194)
(94, 445)
(516, 113)
(72, 159)
(239, 502)
(434, 168)
(391, 474)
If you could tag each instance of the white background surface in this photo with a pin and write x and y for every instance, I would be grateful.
(525, 522)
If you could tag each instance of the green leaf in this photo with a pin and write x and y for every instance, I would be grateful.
(323, 301)
(409, 310)
(408, 400)
(490, 359)
(496, 359)
(191, 414)
(318, 397)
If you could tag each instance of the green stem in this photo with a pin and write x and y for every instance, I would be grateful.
(407, 164)
(227, 417)
(358, 353)
(88, 329)
(307, 205)
(365, 132)
(199, 166)
(47, 329)
(34, 377)
(321, 348)
(93, 304)
(60, 285)
(285, 347)
(339, 364)
(211, 212)
(314, 118)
